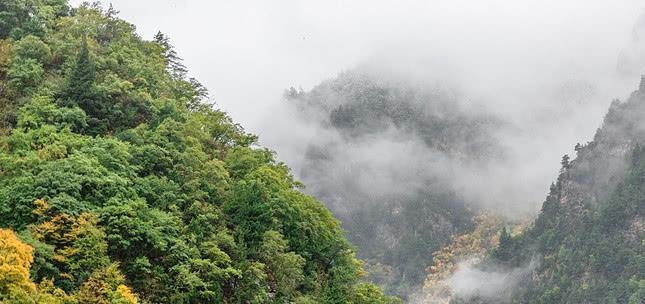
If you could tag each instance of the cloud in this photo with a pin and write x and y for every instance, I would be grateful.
(468, 281)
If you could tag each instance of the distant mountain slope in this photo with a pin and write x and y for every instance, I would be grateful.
(359, 104)
(383, 162)
(589, 238)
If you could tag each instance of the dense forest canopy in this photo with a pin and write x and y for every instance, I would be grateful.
(119, 183)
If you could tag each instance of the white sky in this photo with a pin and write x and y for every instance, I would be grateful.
(517, 56)
(247, 52)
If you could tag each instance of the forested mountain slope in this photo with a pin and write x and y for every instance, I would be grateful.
(383, 161)
(589, 239)
(119, 184)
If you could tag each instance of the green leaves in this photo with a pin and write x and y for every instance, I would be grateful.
(118, 175)
(25, 74)
(31, 47)
(41, 111)
(285, 268)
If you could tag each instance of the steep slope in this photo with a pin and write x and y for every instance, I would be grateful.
(119, 184)
(383, 161)
(589, 238)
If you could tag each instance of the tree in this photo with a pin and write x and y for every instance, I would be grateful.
(106, 286)
(80, 91)
(565, 163)
(25, 74)
(15, 285)
(284, 268)
(504, 250)
(31, 47)
(15, 260)
(174, 64)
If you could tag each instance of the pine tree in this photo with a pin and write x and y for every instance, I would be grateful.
(80, 91)
(174, 63)
(503, 252)
(565, 163)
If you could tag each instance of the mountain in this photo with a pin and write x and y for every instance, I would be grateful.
(119, 183)
(384, 159)
(587, 244)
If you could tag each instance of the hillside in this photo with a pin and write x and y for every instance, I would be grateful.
(589, 238)
(120, 183)
(384, 161)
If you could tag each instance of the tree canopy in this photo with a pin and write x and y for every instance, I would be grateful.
(120, 184)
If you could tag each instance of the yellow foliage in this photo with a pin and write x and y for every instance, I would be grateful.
(48, 293)
(5, 48)
(15, 260)
(94, 291)
(105, 286)
(41, 207)
(126, 295)
(58, 230)
(471, 246)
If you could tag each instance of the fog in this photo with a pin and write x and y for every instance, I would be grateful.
(547, 69)
(550, 67)
(468, 281)
(247, 52)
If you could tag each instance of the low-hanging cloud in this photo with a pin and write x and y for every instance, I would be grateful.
(549, 71)
(497, 284)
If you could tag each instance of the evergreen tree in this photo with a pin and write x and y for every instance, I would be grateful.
(80, 91)
(174, 63)
(504, 250)
(80, 83)
(565, 163)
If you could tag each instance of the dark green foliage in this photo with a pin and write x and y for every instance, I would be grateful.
(19, 18)
(113, 165)
(80, 91)
(503, 250)
(173, 63)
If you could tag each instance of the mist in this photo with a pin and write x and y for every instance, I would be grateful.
(493, 284)
(535, 62)
(549, 71)
(544, 71)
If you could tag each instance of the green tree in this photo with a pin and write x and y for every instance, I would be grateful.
(285, 268)
(80, 90)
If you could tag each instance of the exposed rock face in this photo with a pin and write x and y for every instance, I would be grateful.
(589, 238)
(600, 164)
(590, 233)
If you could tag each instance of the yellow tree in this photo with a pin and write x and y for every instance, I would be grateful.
(15, 260)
